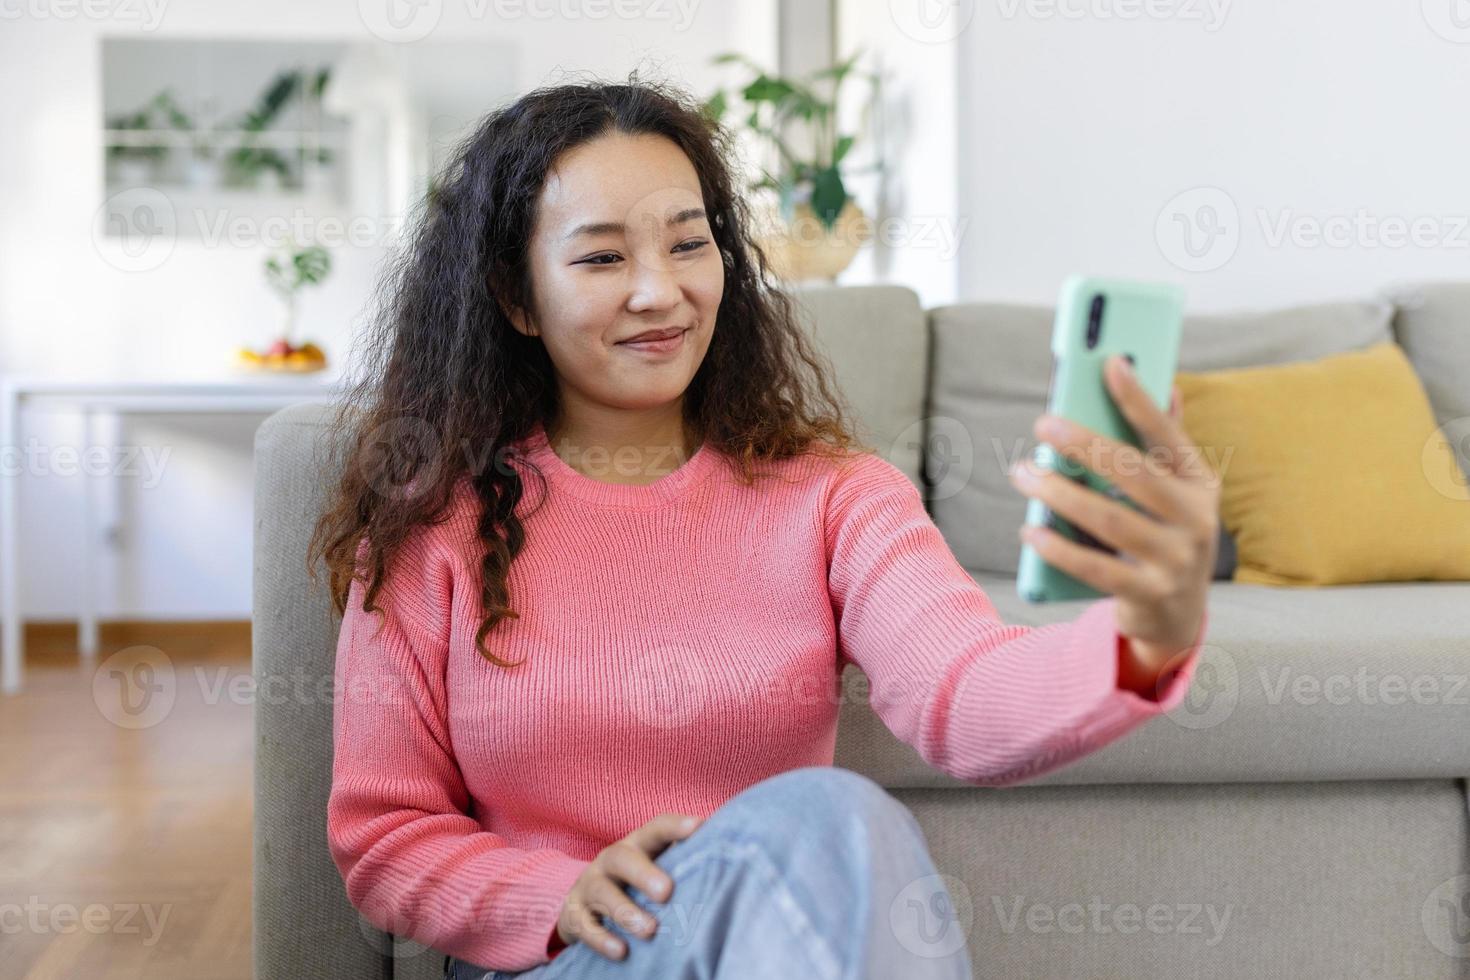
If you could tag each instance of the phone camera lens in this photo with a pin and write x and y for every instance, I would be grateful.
(1094, 321)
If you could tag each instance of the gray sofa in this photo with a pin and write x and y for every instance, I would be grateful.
(1303, 815)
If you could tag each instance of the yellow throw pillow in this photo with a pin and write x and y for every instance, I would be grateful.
(1333, 470)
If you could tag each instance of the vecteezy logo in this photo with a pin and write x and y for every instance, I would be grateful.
(667, 688)
(391, 942)
(1213, 692)
(400, 21)
(401, 457)
(1450, 19)
(134, 229)
(1446, 917)
(135, 687)
(932, 21)
(1199, 230)
(946, 451)
(1450, 481)
(932, 916)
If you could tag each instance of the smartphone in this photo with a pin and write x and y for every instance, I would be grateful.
(1095, 319)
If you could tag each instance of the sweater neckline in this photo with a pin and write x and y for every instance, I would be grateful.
(560, 474)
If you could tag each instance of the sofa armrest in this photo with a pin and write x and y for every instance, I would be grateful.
(304, 925)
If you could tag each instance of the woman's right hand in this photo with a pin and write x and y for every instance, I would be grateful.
(599, 889)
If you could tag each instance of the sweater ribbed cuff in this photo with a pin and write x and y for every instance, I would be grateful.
(525, 945)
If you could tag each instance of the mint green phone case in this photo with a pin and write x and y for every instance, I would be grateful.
(1136, 318)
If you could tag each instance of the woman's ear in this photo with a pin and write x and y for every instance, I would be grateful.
(519, 319)
(516, 315)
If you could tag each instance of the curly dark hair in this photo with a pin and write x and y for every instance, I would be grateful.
(442, 367)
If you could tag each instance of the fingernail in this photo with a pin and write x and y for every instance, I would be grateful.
(1124, 365)
(689, 822)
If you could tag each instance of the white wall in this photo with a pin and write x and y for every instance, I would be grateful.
(1078, 133)
(64, 310)
(915, 207)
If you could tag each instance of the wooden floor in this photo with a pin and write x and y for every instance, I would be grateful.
(124, 823)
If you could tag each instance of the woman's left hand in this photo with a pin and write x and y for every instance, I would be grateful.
(1166, 558)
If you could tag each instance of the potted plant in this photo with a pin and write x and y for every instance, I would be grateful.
(257, 164)
(794, 119)
(134, 162)
(288, 272)
(198, 169)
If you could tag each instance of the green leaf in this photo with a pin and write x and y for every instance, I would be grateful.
(312, 264)
(287, 272)
(768, 89)
(803, 108)
(281, 89)
(828, 196)
(176, 116)
(715, 105)
(844, 143)
(839, 71)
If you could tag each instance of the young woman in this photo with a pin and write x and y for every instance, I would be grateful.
(603, 544)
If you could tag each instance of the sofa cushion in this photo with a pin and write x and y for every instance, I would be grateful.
(992, 366)
(878, 342)
(1432, 324)
(1344, 682)
(1351, 490)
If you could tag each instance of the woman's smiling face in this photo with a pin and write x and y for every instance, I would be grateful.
(622, 245)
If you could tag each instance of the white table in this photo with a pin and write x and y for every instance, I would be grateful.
(264, 393)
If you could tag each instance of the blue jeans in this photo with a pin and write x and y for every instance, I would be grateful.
(816, 873)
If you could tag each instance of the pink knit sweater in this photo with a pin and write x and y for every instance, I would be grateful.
(681, 640)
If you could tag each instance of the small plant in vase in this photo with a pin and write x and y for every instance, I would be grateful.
(288, 272)
(794, 121)
(135, 162)
(200, 170)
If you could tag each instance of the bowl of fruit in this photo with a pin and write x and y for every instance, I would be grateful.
(283, 356)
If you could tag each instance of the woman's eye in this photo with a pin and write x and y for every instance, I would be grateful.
(613, 257)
